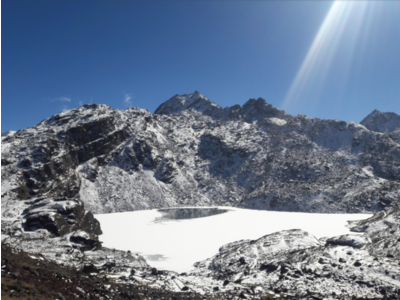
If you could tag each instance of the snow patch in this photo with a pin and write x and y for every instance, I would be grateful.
(276, 121)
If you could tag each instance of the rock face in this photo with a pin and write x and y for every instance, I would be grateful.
(49, 218)
(61, 230)
(384, 231)
(295, 263)
(241, 256)
(382, 122)
(352, 240)
(252, 110)
(60, 216)
(194, 152)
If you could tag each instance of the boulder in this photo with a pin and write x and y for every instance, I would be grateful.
(89, 268)
(60, 216)
(52, 221)
(352, 240)
(85, 240)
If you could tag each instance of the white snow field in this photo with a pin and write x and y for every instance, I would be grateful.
(177, 244)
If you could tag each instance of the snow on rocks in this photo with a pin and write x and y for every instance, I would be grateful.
(295, 263)
(236, 257)
(286, 263)
(61, 230)
(352, 240)
(179, 103)
(46, 218)
(59, 216)
(194, 152)
(383, 228)
(382, 122)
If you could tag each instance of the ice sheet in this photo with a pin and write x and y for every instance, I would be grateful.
(177, 244)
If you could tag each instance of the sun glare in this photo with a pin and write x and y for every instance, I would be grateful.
(336, 39)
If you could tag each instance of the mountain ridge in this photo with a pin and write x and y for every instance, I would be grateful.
(251, 156)
(252, 110)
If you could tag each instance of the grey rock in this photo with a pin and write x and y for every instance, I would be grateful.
(356, 241)
(294, 263)
(383, 228)
(59, 216)
(382, 122)
(86, 241)
(194, 152)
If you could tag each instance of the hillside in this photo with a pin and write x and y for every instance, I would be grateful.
(194, 152)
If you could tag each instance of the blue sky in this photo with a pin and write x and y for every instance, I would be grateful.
(306, 57)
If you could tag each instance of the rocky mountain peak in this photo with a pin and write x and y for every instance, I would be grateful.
(253, 109)
(260, 109)
(382, 122)
(179, 103)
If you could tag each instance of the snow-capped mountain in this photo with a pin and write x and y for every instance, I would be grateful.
(253, 110)
(382, 122)
(194, 152)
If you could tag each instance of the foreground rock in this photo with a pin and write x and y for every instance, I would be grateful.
(292, 264)
(384, 231)
(295, 263)
(194, 152)
(27, 276)
(61, 230)
(60, 216)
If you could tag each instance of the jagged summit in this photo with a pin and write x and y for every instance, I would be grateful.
(253, 109)
(259, 109)
(382, 122)
(179, 103)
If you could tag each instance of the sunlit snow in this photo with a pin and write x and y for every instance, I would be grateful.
(177, 244)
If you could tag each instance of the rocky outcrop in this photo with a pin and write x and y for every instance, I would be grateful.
(352, 240)
(384, 231)
(241, 256)
(60, 216)
(87, 241)
(296, 264)
(388, 122)
(194, 152)
(63, 223)
(289, 264)
(179, 103)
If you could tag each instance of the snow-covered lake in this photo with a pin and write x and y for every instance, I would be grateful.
(177, 244)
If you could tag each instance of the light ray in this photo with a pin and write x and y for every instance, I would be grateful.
(337, 37)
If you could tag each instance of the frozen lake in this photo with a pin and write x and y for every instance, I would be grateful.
(174, 239)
